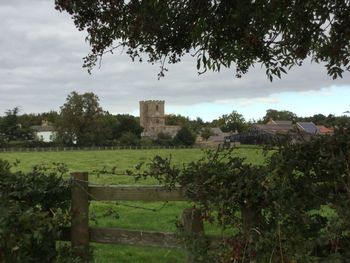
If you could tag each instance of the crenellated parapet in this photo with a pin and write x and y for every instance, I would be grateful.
(152, 102)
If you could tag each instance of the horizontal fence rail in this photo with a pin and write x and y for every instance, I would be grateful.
(118, 236)
(113, 148)
(134, 193)
(97, 148)
(128, 237)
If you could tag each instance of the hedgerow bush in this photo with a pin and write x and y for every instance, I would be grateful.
(294, 208)
(33, 208)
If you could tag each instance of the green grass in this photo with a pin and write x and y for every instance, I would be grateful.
(128, 254)
(121, 214)
(122, 159)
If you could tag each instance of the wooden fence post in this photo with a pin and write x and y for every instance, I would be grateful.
(249, 220)
(80, 216)
(193, 227)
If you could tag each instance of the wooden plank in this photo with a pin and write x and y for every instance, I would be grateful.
(135, 237)
(80, 216)
(128, 237)
(134, 193)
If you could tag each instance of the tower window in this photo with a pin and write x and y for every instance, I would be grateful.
(156, 107)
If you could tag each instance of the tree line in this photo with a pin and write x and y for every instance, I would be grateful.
(81, 121)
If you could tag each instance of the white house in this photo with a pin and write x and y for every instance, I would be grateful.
(44, 132)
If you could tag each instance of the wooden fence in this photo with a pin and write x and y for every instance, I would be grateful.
(80, 234)
(98, 148)
(113, 148)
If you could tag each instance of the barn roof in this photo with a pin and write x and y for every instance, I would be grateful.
(40, 128)
(308, 127)
(275, 128)
(324, 130)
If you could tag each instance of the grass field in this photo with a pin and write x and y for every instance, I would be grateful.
(121, 215)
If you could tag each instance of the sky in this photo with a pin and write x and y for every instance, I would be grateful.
(41, 58)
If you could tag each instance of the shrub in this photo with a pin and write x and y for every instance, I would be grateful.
(295, 208)
(29, 144)
(206, 133)
(33, 207)
(146, 142)
(164, 139)
(185, 137)
(129, 139)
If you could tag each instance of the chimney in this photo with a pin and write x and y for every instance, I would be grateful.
(44, 123)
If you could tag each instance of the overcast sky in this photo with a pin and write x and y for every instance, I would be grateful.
(41, 55)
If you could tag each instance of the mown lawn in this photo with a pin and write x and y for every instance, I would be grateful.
(157, 216)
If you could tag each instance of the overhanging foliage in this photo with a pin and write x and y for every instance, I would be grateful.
(279, 34)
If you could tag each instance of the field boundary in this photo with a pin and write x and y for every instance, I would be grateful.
(94, 148)
(81, 234)
(113, 148)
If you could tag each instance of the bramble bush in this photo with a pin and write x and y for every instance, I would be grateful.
(33, 208)
(294, 208)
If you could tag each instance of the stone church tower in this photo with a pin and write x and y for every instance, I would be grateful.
(152, 117)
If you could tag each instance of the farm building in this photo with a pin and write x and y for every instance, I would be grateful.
(44, 132)
(218, 137)
(275, 131)
(308, 127)
(263, 134)
(323, 130)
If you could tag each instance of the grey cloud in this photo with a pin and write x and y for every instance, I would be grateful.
(41, 62)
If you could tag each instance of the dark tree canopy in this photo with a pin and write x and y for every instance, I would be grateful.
(80, 120)
(278, 34)
(279, 115)
(233, 122)
(185, 137)
(11, 129)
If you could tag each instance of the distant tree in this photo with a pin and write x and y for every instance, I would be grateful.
(329, 121)
(12, 129)
(3, 139)
(9, 124)
(194, 125)
(219, 122)
(172, 119)
(318, 119)
(127, 123)
(164, 139)
(80, 120)
(282, 115)
(233, 122)
(110, 126)
(129, 139)
(206, 133)
(50, 116)
(185, 137)
(32, 119)
(147, 142)
(342, 121)
(277, 34)
(197, 124)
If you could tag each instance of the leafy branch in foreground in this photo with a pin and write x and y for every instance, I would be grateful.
(292, 209)
(277, 34)
(33, 208)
